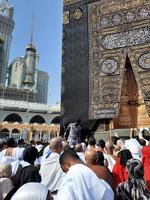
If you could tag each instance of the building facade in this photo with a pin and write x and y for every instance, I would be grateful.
(26, 78)
(28, 120)
(12, 93)
(24, 112)
(42, 86)
(6, 28)
(106, 62)
(22, 74)
(23, 69)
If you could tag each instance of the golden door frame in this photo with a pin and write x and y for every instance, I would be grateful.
(117, 29)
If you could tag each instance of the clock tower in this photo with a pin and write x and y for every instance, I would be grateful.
(6, 28)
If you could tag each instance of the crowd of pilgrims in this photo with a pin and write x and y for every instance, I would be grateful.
(118, 169)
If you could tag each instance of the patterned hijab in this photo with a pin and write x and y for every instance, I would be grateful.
(134, 169)
(135, 188)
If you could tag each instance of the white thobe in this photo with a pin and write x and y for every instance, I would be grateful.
(82, 183)
(82, 156)
(134, 147)
(111, 161)
(51, 172)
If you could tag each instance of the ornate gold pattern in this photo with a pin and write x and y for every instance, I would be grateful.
(117, 29)
(67, 2)
(66, 16)
(142, 75)
(78, 14)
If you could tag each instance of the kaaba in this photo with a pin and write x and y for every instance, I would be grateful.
(106, 62)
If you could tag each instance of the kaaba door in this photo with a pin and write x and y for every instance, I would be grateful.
(133, 112)
(118, 90)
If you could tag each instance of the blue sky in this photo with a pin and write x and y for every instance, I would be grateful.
(47, 37)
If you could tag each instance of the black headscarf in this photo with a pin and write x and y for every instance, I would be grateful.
(30, 154)
(100, 158)
(10, 142)
(124, 155)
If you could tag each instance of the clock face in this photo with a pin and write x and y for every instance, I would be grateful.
(4, 8)
(109, 66)
(4, 12)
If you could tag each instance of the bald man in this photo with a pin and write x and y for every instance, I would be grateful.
(91, 157)
(111, 158)
(79, 150)
(80, 181)
(51, 172)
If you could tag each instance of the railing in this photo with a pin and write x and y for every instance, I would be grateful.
(29, 105)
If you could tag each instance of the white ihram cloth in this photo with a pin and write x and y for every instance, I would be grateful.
(82, 156)
(16, 154)
(134, 147)
(81, 183)
(51, 172)
(111, 161)
(14, 160)
(46, 152)
(31, 191)
(39, 147)
(2, 154)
